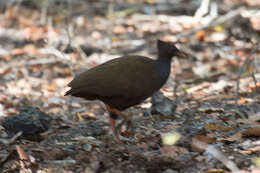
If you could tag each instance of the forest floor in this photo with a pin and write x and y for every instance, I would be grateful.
(201, 121)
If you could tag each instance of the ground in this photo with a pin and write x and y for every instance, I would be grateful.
(205, 119)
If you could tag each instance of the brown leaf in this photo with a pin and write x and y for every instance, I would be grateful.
(50, 87)
(203, 139)
(252, 87)
(18, 51)
(217, 127)
(119, 29)
(251, 150)
(253, 119)
(5, 70)
(5, 57)
(172, 151)
(31, 49)
(3, 96)
(253, 2)
(21, 153)
(201, 35)
(237, 136)
(10, 12)
(252, 131)
(34, 33)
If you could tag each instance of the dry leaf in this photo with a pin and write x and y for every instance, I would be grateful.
(255, 117)
(251, 150)
(252, 87)
(201, 35)
(172, 151)
(50, 87)
(252, 131)
(30, 49)
(210, 110)
(243, 100)
(119, 29)
(203, 139)
(18, 51)
(255, 22)
(171, 139)
(5, 70)
(246, 121)
(237, 136)
(216, 127)
(253, 2)
(10, 11)
(5, 57)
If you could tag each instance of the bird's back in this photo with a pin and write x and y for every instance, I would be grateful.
(120, 83)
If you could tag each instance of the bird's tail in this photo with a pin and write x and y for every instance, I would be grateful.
(68, 92)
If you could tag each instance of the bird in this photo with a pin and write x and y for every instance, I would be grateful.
(125, 81)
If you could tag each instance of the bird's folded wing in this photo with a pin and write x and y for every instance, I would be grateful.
(124, 77)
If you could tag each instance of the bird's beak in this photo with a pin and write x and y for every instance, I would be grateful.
(181, 55)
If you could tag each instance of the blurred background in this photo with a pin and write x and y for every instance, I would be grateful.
(44, 43)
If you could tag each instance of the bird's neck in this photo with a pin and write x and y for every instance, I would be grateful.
(164, 65)
(164, 60)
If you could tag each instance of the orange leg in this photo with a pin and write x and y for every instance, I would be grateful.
(114, 128)
(113, 122)
(113, 110)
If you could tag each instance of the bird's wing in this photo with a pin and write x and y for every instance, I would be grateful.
(125, 77)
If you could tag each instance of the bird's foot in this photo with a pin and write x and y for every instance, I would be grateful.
(123, 139)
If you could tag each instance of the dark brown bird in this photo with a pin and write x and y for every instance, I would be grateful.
(126, 81)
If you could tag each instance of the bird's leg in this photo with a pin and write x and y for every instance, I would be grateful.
(119, 126)
(114, 113)
(112, 119)
(114, 128)
(127, 121)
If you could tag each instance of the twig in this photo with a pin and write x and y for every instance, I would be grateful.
(222, 19)
(69, 27)
(253, 73)
(203, 9)
(247, 62)
(9, 141)
(27, 162)
(217, 154)
(239, 72)
(255, 62)
(44, 9)
(22, 155)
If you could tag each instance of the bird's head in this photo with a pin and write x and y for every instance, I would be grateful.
(168, 50)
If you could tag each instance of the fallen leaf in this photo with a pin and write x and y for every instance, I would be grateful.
(172, 151)
(252, 2)
(257, 161)
(30, 49)
(252, 131)
(18, 51)
(217, 127)
(119, 29)
(203, 139)
(171, 139)
(50, 87)
(201, 35)
(5, 57)
(246, 121)
(255, 117)
(237, 136)
(252, 87)
(209, 110)
(5, 70)
(243, 100)
(251, 150)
